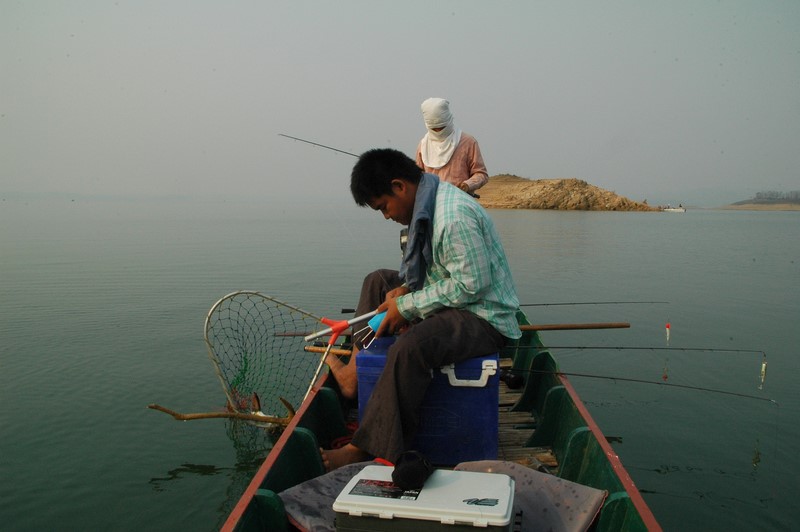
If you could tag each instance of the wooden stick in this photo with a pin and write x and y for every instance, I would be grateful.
(334, 351)
(574, 326)
(282, 421)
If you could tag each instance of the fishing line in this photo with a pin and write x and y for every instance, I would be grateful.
(665, 371)
(756, 458)
(644, 381)
(352, 235)
(762, 369)
(330, 207)
(646, 348)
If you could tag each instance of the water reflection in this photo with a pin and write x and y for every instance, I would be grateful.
(251, 445)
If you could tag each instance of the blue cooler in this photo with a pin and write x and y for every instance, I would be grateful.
(458, 422)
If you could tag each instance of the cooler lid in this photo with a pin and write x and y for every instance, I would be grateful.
(450, 497)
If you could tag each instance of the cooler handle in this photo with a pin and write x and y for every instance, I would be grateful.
(489, 367)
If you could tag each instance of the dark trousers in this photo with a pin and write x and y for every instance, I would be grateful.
(451, 335)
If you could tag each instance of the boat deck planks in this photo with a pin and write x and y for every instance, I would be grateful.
(515, 428)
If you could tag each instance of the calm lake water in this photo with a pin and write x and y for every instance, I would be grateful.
(102, 313)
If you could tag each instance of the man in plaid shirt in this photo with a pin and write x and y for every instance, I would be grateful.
(453, 298)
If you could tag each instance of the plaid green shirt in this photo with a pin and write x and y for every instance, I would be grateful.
(470, 270)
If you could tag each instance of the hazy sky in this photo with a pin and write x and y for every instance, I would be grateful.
(690, 101)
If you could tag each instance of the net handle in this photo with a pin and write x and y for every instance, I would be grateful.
(336, 327)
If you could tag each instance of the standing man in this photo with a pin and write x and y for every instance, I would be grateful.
(447, 151)
(453, 298)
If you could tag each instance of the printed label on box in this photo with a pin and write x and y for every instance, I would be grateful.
(384, 489)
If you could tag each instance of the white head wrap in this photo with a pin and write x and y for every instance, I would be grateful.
(436, 147)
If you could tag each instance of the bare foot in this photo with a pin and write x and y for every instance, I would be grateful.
(336, 458)
(345, 374)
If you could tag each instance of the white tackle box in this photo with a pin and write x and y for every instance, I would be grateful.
(449, 500)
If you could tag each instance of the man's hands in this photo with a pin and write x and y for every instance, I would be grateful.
(397, 292)
(394, 321)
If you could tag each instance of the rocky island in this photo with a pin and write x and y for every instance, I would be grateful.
(513, 192)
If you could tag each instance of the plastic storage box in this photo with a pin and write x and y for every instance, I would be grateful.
(449, 500)
(458, 422)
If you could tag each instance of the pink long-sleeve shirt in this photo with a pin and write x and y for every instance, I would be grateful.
(465, 165)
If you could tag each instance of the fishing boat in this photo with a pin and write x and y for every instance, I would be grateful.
(543, 426)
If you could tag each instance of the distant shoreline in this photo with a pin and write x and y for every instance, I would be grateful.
(762, 207)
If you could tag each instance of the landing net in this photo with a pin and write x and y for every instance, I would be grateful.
(255, 343)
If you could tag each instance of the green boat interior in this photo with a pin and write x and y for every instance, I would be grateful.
(543, 425)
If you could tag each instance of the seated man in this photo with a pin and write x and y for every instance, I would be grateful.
(453, 299)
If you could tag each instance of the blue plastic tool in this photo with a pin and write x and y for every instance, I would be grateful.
(376, 320)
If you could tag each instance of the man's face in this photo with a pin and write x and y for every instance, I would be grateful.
(399, 206)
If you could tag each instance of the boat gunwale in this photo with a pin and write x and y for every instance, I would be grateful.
(258, 478)
(613, 458)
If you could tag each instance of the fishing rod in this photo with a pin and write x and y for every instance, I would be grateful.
(651, 348)
(350, 310)
(318, 144)
(514, 380)
(341, 326)
(470, 192)
(644, 381)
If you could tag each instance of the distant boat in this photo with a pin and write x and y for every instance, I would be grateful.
(679, 208)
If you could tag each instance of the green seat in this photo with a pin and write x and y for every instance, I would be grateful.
(299, 461)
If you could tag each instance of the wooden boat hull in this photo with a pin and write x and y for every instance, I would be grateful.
(564, 429)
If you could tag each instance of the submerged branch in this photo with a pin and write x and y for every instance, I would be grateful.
(261, 418)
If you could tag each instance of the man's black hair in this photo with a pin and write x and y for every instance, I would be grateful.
(373, 174)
